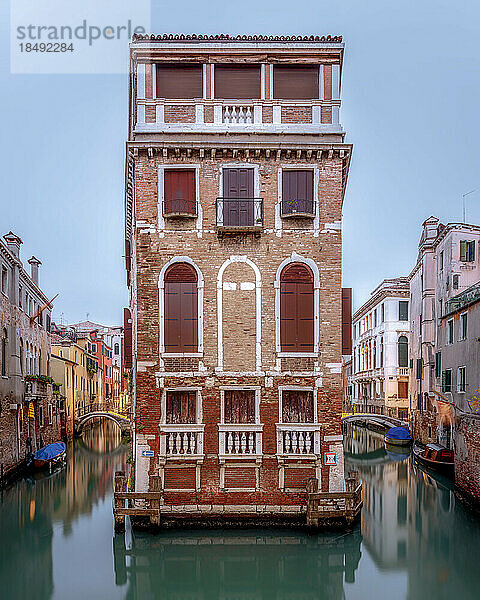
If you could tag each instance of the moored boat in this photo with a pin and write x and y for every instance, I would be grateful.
(435, 457)
(398, 436)
(49, 456)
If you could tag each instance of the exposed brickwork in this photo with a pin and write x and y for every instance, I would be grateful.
(327, 80)
(148, 81)
(326, 114)
(467, 455)
(179, 114)
(267, 114)
(208, 114)
(150, 114)
(296, 114)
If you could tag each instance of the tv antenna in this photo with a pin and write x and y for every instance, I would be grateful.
(464, 203)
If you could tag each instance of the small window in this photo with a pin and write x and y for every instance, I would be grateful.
(4, 282)
(455, 280)
(461, 379)
(438, 364)
(419, 368)
(297, 406)
(447, 380)
(179, 192)
(403, 310)
(382, 313)
(441, 261)
(239, 406)
(236, 82)
(179, 81)
(181, 407)
(450, 331)
(463, 326)
(467, 251)
(40, 416)
(116, 349)
(402, 351)
(295, 82)
(403, 389)
(4, 357)
(440, 304)
(297, 192)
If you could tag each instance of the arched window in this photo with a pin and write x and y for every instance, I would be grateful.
(181, 309)
(296, 308)
(4, 353)
(402, 351)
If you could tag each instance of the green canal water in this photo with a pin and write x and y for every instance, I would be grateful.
(415, 541)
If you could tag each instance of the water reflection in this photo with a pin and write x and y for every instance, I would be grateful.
(237, 565)
(415, 542)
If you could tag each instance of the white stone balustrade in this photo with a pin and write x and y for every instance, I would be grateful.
(240, 440)
(181, 440)
(299, 439)
(238, 114)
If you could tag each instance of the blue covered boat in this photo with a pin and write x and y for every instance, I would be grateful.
(49, 455)
(398, 436)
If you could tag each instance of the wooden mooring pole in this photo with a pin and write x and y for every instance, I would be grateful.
(120, 485)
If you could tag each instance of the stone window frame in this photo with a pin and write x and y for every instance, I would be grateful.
(461, 316)
(316, 183)
(161, 192)
(299, 388)
(449, 341)
(198, 407)
(240, 165)
(161, 310)
(241, 388)
(460, 391)
(316, 307)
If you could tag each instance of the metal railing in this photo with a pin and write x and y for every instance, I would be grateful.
(179, 207)
(239, 213)
(298, 208)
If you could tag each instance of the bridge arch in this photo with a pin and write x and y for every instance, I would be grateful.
(122, 422)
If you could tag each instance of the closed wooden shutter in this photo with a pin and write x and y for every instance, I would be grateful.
(297, 192)
(238, 193)
(403, 389)
(127, 338)
(179, 191)
(235, 82)
(347, 321)
(296, 309)
(239, 406)
(181, 407)
(295, 82)
(179, 81)
(297, 406)
(181, 308)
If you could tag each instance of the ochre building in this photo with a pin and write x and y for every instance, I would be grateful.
(236, 169)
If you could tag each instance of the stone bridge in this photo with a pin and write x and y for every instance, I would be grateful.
(381, 420)
(122, 421)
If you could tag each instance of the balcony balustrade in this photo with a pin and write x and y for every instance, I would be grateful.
(181, 440)
(240, 440)
(298, 439)
(402, 371)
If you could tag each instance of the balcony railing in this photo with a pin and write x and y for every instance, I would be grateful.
(298, 439)
(36, 388)
(181, 440)
(403, 371)
(240, 440)
(179, 208)
(298, 208)
(242, 214)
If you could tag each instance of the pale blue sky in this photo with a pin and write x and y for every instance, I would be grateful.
(411, 96)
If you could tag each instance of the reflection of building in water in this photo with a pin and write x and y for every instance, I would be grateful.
(384, 514)
(240, 565)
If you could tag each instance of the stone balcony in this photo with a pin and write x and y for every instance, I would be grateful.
(159, 115)
(240, 440)
(181, 441)
(298, 439)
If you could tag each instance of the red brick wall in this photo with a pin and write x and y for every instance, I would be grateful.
(209, 252)
(296, 114)
(179, 114)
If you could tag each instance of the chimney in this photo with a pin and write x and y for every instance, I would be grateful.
(13, 243)
(34, 264)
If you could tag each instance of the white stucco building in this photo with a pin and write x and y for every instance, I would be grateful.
(380, 362)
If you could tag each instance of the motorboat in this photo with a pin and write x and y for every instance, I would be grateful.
(49, 456)
(435, 457)
(398, 436)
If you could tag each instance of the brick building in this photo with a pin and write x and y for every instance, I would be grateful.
(235, 175)
(29, 410)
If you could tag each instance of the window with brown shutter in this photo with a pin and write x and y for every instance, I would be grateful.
(181, 309)
(127, 338)
(295, 82)
(238, 202)
(297, 192)
(297, 406)
(235, 82)
(179, 81)
(239, 406)
(179, 192)
(181, 407)
(296, 309)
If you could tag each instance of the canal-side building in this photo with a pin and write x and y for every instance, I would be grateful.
(236, 169)
(444, 340)
(75, 370)
(29, 411)
(379, 369)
